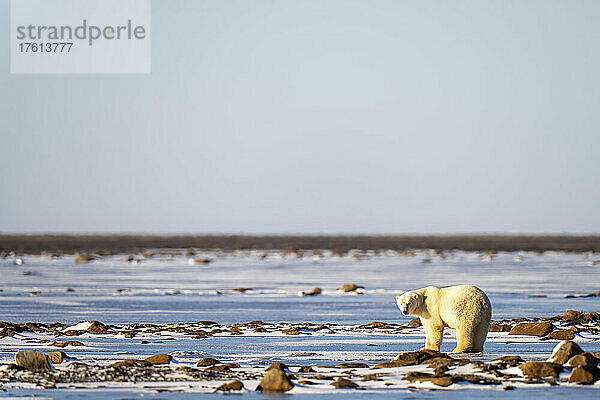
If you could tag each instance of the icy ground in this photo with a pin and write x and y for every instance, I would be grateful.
(168, 289)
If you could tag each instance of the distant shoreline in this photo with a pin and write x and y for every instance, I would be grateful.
(38, 243)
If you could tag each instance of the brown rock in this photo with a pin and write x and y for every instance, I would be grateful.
(207, 362)
(314, 292)
(412, 358)
(349, 288)
(234, 385)
(83, 258)
(57, 357)
(414, 323)
(532, 328)
(540, 369)
(67, 343)
(158, 359)
(32, 360)
(592, 316)
(306, 382)
(343, 383)
(218, 368)
(582, 360)
(97, 328)
(275, 380)
(572, 316)
(380, 325)
(561, 334)
(352, 365)
(495, 327)
(371, 377)
(291, 331)
(131, 363)
(200, 260)
(241, 290)
(508, 361)
(306, 368)
(439, 380)
(584, 375)
(280, 366)
(564, 351)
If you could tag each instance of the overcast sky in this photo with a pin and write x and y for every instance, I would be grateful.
(318, 117)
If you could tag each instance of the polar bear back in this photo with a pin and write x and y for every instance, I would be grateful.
(458, 304)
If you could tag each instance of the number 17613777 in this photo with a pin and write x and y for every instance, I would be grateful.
(54, 47)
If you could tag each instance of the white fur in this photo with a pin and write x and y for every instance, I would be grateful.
(464, 308)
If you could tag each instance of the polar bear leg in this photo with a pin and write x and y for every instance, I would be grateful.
(464, 339)
(480, 335)
(433, 336)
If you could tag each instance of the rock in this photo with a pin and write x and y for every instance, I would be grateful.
(207, 362)
(540, 369)
(32, 360)
(532, 329)
(352, 365)
(584, 375)
(495, 327)
(218, 368)
(280, 366)
(561, 334)
(240, 290)
(349, 288)
(234, 385)
(592, 316)
(306, 368)
(67, 343)
(443, 380)
(306, 382)
(508, 361)
(572, 316)
(412, 358)
(376, 324)
(158, 359)
(275, 380)
(371, 377)
(291, 331)
(131, 363)
(314, 292)
(439, 362)
(57, 357)
(414, 323)
(343, 383)
(200, 261)
(582, 360)
(83, 258)
(97, 328)
(564, 351)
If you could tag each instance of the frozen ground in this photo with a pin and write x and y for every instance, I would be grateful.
(167, 289)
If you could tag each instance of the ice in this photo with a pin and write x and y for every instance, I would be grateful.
(166, 289)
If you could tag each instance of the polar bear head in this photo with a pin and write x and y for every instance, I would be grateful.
(410, 303)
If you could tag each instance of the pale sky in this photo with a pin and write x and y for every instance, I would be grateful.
(318, 117)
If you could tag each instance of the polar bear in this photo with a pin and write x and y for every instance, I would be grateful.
(464, 308)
